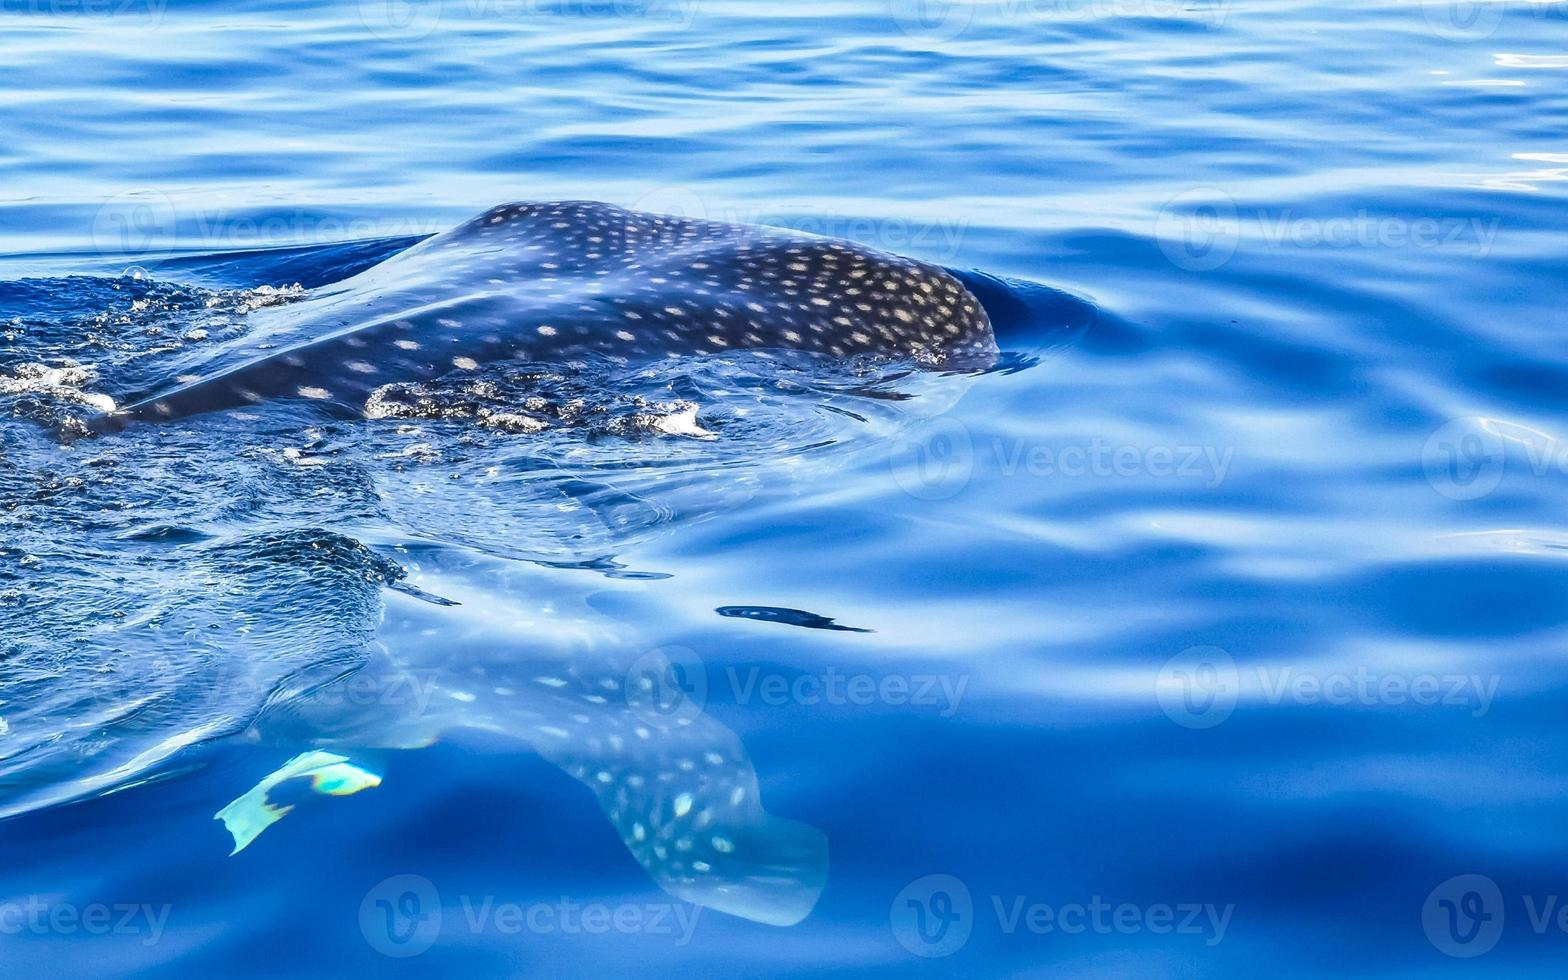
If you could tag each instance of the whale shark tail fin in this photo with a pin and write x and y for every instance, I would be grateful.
(695, 823)
(780, 870)
(682, 794)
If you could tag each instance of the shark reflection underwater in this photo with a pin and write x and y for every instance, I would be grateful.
(549, 282)
(629, 724)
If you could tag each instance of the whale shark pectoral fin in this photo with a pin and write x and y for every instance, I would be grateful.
(329, 774)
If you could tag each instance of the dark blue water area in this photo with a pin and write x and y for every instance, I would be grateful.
(1217, 629)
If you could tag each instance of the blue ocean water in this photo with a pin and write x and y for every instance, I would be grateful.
(1220, 632)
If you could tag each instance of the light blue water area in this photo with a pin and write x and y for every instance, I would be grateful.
(1218, 630)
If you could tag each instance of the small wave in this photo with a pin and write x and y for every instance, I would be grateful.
(64, 383)
(117, 333)
(50, 395)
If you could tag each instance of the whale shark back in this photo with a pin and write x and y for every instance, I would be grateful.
(550, 282)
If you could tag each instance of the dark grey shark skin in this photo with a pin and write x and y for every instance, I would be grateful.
(548, 282)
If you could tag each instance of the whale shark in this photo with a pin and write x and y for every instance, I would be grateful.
(265, 577)
(557, 281)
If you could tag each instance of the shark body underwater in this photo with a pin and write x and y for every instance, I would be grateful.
(550, 282)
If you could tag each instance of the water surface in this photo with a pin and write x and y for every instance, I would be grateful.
(1219, 632)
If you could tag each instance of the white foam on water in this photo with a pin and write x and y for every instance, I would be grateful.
(60, 383)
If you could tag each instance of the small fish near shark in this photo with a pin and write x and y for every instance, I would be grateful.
(550, 282)
(788, 617)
